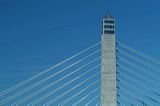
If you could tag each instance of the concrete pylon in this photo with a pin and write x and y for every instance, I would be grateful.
(108, 68)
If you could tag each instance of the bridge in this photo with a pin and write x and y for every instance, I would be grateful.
(108, 73)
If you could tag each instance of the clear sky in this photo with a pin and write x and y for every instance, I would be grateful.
(34, 34)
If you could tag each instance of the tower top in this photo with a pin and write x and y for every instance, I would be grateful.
(108, 16)
(108, 25)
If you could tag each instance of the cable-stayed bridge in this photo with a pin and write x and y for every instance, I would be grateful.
(107, 73)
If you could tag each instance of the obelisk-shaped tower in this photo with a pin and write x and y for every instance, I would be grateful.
(108, 68)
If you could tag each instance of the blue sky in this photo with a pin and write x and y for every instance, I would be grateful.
(34, 34)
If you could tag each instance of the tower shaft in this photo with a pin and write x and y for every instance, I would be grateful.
(108, 68)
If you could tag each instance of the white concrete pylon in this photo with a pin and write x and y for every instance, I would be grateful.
(108, 68)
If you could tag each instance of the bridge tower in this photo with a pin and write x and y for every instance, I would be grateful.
(108, 68)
